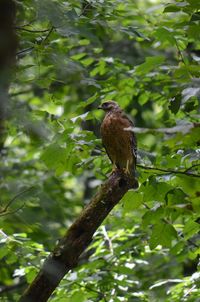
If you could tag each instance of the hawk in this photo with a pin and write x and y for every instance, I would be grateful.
(120, 144)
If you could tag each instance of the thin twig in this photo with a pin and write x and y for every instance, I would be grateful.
(12, 212)
(39, 43)
(91, 289)
(4, 210)
(146, 206)
(193, 166)
(24, 50)
(84, 9)
(193, 243)
(183, 60)
(180, 53)
(8, 288)
(20, 92)
(28, 24)
(170, 171)
(32, 30)
(47, 36)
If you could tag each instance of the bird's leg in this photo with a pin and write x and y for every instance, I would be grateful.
(114, 167)
(127, 168)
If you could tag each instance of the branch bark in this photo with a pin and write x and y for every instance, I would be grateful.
(66, 254)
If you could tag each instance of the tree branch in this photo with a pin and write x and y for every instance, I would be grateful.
(185, 172)
(66, 254)
(185, 128)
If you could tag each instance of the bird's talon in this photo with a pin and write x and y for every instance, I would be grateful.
(114, 168)
(126, 171)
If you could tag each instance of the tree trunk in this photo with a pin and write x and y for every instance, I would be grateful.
(8, 47)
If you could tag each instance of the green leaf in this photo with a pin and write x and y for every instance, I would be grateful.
(88, 101)
(175, 7)
(164, 35)
(82, 117)
(54, 156)
(125, 270)
(174, 196)
(153, 216)
(78, 56)
(132, 200)
(149, 64)
(143, 98)
(31, 272)
(78, 297)
(195, 17)
(133, 32)
(194, 4)
(175, 104)
(3, 251)
(178, 247)
(194, 31)
(162, 234)
(190, 229)
(84, 42)
(87, 62)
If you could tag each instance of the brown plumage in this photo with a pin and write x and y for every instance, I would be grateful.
(119, 143)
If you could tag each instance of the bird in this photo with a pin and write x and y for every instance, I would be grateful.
(118, 140)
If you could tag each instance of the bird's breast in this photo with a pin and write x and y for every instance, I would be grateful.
(112, 125)
(116, 140)
(113, 133)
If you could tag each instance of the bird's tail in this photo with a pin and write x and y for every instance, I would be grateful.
(135, 181)
(135, 184)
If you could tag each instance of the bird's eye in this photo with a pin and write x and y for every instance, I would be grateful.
(106, 104)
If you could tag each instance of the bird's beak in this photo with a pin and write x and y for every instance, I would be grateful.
(100, 107)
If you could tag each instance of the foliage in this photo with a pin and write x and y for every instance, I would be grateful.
(72, 56)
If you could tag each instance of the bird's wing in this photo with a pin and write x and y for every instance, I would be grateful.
(108, 153)
(133, 138)
(134, 146)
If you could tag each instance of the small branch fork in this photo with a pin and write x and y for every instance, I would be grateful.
(66, 254)
(5, 211)
(49, 31)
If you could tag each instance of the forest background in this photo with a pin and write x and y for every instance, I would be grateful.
(71, 56)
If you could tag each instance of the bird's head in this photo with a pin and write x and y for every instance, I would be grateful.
(109, 106)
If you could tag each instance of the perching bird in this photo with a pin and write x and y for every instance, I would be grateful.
(120, 144)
